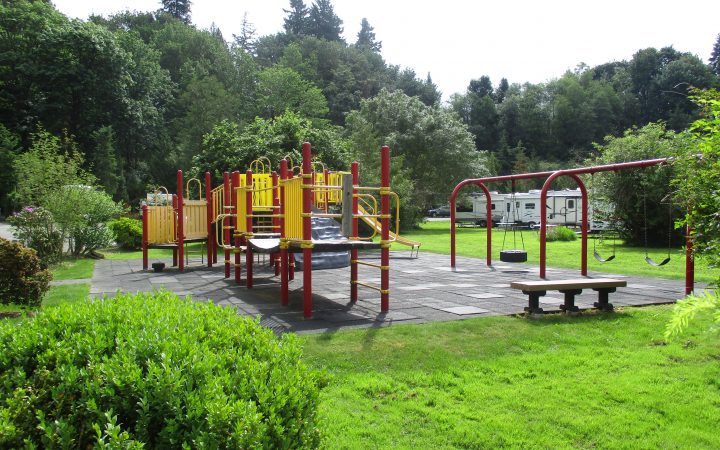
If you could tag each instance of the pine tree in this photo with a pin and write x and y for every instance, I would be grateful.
(324, 23)
(366, 37)
(179, 9)
(715, 57)
(246, 39)
(297, 20)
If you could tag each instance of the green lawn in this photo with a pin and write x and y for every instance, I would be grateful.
(435, 237)
(594, 381)
(73, 269)
(195, 250)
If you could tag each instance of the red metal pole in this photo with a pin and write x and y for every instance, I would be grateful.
(236, 237)
(385, 228)
(307, 229)
(488, 223)
(543, 221)
(145, 236)
(248, 228)
(226, 220)
(355, 170)
(689, 262)
(181, 222)
(283, 243)
(175, 249)
(208, 202)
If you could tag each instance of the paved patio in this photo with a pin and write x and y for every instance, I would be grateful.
(423, 289)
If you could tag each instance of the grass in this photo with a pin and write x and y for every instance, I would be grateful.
(68, 293)
(154, 253)
(74, 269)
(435, 237)
(594, 381)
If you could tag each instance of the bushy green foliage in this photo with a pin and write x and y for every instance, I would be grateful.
(35, 228)
(687, 309)
(157, 370)
(23, 281)
(82, 213)
(640, 194)
(128, 232)
(560, 234)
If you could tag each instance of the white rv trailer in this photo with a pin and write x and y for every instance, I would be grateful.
(562, 207)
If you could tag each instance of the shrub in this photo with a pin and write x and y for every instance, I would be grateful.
(560, 234)
(22, 279)
(128, 232)
(157, 370)
(35, 228)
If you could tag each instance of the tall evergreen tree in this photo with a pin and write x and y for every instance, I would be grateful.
(501, 91)
(482, 87)
(297, 19)
(246, 39)
(715, 57)
(366, 37)
(324, 23)
(179, 9)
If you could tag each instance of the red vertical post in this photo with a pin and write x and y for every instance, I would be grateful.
(236, 237)
(689, 262)
(145, 236)
(583, 227)
(307, 195)
(385, 228)
(175, 249)
(226, 220)
(181, 221)
(248, 228)
(208, 202)
(275, 220)
(283, 242)
(452, 226)
(488, 224)
(355, 232)
(543, 221)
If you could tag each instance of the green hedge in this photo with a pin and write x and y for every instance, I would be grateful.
(560, 234)
(128, 232)
(157, 370)
(23, 281)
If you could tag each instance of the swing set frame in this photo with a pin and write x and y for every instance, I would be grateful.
(550, 176)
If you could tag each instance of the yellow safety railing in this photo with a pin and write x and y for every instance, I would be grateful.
(261, 165)
(187, 188)
(161, 224)
(262, 190)
(195, 212)
(217, 196)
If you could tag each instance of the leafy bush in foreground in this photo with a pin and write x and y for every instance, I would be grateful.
(128, 232)
(23, 281)
(560, 234)
(156, 370)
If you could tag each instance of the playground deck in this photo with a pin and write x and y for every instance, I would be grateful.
(422, 289)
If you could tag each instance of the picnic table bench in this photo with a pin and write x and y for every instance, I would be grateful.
(570, 288)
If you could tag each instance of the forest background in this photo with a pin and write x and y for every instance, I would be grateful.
(137, 95)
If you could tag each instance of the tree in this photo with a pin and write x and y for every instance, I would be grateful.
(640, 196)
(697, 181)
(715, 57)
(323, 23)
(246, 39)
(481, 87)
(297, 21)
(104, 163)
(435, 146)
(179, 9)
(366, 37)
(9, 149)
(280, 89)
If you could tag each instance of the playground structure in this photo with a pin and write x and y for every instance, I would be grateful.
(549, 178)
(270, 213)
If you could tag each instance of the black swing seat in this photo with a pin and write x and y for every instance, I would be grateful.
(650, 261)
(513, 256)
(601, 259)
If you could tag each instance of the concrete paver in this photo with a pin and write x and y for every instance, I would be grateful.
(422, 289)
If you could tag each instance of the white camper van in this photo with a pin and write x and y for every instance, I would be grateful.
(562, 207)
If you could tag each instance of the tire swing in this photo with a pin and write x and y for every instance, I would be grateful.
(517, 255)
(597, 254)
(648, 259)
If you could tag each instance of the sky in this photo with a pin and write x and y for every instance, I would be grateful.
(459, 40)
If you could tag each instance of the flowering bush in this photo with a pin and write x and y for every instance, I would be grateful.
(35, 228)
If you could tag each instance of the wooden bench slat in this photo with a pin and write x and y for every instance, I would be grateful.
(557, 285)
